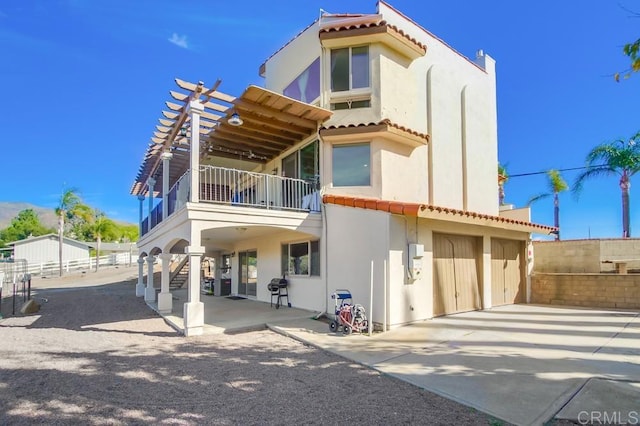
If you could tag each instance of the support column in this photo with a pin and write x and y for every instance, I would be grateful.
(486, 272)
(150, 292)
(151, 182)
(140, 285)
(166, 157)
(165, 303)
(195, 109)
(194, 309)
(141, 215)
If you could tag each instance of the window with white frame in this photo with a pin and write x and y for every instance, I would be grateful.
(351, 165)
(301, 258)
(349, 68)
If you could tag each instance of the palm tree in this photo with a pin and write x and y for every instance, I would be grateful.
(503, 177)
(69, 206)
(620, 158)
(556, 185)
(101, 226)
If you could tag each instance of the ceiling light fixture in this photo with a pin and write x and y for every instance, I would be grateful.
(235, 120)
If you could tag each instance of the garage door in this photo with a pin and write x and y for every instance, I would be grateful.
(507, 277)
(455, 274)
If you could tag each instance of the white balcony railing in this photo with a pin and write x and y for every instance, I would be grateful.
(242, 188)
(221, 185)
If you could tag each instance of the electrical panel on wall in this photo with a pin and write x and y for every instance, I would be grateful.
(416, 253)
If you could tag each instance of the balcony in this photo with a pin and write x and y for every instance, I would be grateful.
(239, 188)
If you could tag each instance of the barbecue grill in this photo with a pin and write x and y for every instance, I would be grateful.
(278, 289)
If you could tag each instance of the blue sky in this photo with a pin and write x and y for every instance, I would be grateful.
(83, 83)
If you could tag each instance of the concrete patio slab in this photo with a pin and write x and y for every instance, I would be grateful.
(226, 315)
(520, 363)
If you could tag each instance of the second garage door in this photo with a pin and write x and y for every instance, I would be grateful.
(507, 278)
(456, 287)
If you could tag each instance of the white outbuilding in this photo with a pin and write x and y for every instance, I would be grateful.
(45, 248)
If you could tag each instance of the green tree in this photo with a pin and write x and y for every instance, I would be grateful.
(25, 224)
(619, 158)
(632, 50)
(503, 178)
(101, 227)
(69, 206)
(128, 233)
(555, 185)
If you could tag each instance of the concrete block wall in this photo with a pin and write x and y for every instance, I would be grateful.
(584, 256)
(575, 256)
(587, 290)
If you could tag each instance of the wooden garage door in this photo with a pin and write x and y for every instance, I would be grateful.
(507, 277)
(455, 274)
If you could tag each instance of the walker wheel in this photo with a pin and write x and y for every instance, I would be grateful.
(346, 330)
(333, 326)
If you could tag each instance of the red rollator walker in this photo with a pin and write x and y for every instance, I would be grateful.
(348, 316)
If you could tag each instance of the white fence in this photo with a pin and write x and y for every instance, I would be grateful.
(13, 270)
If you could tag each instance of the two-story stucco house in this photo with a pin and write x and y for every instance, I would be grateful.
(368, 162)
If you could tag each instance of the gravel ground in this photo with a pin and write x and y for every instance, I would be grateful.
(95, 354)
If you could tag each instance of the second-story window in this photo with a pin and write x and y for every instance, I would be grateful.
(351, 165)
(349, 68)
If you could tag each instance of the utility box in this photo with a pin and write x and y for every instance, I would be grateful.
(416, 253)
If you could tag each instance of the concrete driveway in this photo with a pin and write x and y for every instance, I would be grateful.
(525, 364)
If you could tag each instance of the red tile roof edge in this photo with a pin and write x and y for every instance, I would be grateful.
(382, 23)
(413, 209)
(384, 121)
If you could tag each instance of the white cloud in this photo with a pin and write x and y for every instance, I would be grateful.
(180, 41)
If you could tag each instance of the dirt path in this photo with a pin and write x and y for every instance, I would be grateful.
(95, 354)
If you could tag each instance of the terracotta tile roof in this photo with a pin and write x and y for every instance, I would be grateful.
(380, 24)
(384, 122)
(414, 210)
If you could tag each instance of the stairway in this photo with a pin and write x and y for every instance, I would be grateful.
(180, 275)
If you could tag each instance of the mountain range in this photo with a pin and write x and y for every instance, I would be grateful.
(9, 210)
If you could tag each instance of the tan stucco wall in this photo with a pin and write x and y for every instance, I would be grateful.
(456, 100)
(306, 292)
(397, 172)
(355, 238)
(442, 93)
(589, 290)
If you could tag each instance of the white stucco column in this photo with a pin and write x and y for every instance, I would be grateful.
(486, 272)
(194, 309)
(166, 158)
(195, 109)
(140, 284)
(141, 213)
(151, 182)
(530, 259)
(165, 304)
(150, 292)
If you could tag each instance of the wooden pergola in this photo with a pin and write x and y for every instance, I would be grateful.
(272, 123)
